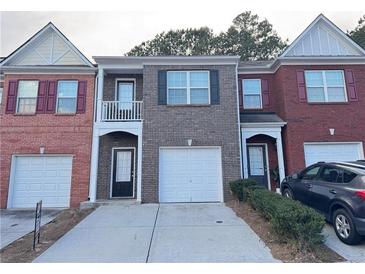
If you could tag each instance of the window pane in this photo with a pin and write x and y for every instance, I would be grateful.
(125, 92)
(66, 105)
(313, 78)
(348, 176)
(315, 94)
(310, 173)
(177, 96)
(176, 79)
(28, 89)
(1, 95)
(67, 89)
(199, 79)
(334, 78)
(252, 101)
(330, 174)
(251, 87)
(199, 96)
(26, 105)
(336, 95)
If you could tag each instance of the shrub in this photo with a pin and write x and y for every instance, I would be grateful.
(290, 219)
(240, 187)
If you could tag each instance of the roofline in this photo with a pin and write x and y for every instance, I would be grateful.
(144, 60)
(48, 69)
(319, 17)
(33, 37)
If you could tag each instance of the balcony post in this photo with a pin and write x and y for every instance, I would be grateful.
(100, 94)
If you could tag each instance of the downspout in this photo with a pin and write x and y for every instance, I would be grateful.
(239, 122)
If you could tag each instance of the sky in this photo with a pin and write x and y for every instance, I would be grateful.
(116, 32)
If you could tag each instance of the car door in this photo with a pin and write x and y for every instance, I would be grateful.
(302, 185)
(326, 187)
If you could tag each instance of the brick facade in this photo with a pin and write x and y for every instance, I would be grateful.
(212, 125)
(59, 134)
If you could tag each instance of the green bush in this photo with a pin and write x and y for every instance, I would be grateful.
(240, 188)
(290, 219)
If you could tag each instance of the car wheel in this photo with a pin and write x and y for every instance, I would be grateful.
(345, 228)
(288, 193)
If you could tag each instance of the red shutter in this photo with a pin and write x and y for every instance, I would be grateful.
(350, 85)
(240, 93)
(51, 97)
(265, 92)
(301, 86)
(12, 94)
(42, 96)
(81, 97)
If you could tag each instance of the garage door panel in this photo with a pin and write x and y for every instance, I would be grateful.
(46, 178)
(190, 175)
(332, 152)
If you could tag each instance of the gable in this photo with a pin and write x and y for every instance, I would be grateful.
(49, 47)
(323, 38)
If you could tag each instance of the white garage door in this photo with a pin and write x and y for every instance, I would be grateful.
(331, 152)
(45, 178)
(190, 175)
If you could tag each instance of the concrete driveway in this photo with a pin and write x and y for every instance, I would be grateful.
(352, 253)
(160, 233)
(16, 223)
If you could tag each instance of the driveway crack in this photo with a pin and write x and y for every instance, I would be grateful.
(153, 233)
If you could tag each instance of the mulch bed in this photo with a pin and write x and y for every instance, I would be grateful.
(284, 251)
(21, 250)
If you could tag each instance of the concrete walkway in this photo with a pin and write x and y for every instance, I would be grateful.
(352, 253)
(165, 233)
(16, 223)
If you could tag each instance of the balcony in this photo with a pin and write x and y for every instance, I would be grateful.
(116, 111)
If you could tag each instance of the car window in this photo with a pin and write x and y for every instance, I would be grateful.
(310, 173)
(348, 176)
(331, 175)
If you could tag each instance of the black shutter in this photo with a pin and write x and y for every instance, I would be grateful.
(162, 87)
(214, 87)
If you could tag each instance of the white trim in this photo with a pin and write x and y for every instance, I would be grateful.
(267, 160)
(134, 80)
(67, 97)
(220, 167)
(18, 97)
(63, 72)
(134, 172)
(188, 87)
(13, 172)
(263, 125)
(243, 93)
(238, 119)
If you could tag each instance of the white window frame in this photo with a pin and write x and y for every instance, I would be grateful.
(1, 95)
(325, 86)
(119, 80)
(18, 97)
(66, 97)
(188, 87)
(243, 93)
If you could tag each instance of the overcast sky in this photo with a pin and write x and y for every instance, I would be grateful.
(115, 33)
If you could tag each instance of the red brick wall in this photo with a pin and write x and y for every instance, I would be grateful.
(59, 134)
(311, 122)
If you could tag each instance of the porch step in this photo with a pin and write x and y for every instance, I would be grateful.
(113, 202)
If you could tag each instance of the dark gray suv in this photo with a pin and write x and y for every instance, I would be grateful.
(337, 190)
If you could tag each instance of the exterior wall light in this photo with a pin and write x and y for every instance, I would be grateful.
(190, 141)
(332, 131)
(41, 149)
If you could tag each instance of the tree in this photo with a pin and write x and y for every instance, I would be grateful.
(247, 37)
(358, 34)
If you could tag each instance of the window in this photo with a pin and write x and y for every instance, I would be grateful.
(252, 93)
(331, 175)
(27, 96)
(187, 87)
(66, 96)
(348, 176)
(325, 86)
(310, 174)
(1, 95)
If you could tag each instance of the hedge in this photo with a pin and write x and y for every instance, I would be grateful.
(240, 187)
(290, 220)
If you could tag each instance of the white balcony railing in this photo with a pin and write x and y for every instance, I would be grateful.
(121, 111)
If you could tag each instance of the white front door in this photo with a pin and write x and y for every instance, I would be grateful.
(332, 152)
(190, 175)
(46, 178)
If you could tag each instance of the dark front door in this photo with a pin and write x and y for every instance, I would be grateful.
(257, 168)
(123, 173)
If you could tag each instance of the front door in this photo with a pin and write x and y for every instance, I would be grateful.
(257, 168)
(123, 173)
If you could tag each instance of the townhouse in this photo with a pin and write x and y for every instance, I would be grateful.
(173, 128)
